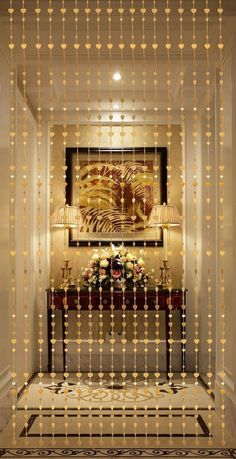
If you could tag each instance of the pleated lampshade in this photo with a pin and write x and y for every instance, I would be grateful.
(67, 217)
(164, 215)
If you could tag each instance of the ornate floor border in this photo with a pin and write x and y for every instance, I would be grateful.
(118, 452)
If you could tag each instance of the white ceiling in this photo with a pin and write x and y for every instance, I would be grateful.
(143, 68)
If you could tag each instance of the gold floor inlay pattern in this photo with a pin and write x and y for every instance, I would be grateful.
(65, 415)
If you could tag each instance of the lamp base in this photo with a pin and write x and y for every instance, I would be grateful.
(165, 280)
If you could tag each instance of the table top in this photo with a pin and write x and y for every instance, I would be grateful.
(85, 292)
(151, 299)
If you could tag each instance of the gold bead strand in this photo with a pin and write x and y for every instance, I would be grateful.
(111, 117)
(168, 46)
(221, 220)
(145, 323)
(12, 220)
(76, 46)
(110, 135)
(133, 116)
(195, 214)
(88, 86)
(181, 46)
(65, 338)
(24, 185)
(156, 177)
(38, 46)
(87, 11)
(133, 133)
(144, 82)
(52, 168)
(52, 191)
(157, 351)
(208, 216)
(78, 372)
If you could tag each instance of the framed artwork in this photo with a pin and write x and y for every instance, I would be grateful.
(115, 191)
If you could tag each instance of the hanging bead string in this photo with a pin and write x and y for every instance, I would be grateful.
(133, 133)
(112, 306)
(100, 183)
(208, 216)
(169, 167)
(133, 116)
(195, 212)
(38, 46)
(181, 46)
(65, 339)
(168, 46)
(52, 194)
(24, 182)
(144, 83)
(135, 324)
(76, 46)
(221, 219)
(51, 171)
(90, 307)
(110, 47)
(12, 220)
(88, 130)
(111, 159)
(156, 178)
(88, 84)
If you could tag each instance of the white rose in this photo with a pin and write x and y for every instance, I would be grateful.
(104, 263)
(129, 265)
(122, 250)
(101, 278)
(141, 261)
(123, 259)
(130, 256)
(95, 257)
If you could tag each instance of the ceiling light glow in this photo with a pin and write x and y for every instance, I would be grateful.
(116, 76)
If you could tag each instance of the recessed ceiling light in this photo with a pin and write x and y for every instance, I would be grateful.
(116, 76)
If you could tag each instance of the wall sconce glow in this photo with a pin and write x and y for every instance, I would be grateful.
(116, 106)
(116, 76)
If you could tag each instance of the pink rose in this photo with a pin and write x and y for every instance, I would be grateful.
(116, 273)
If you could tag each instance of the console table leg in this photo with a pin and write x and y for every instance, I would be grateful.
(167, 343)
(183, 334)
(49, 339)
(63, 341)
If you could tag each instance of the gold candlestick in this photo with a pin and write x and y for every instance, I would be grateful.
(66, 276)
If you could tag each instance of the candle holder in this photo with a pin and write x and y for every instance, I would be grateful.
(67, 281)
(165, 279)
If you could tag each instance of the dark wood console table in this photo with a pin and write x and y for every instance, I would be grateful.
(167, 301)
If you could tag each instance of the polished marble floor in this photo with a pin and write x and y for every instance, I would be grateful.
(91, 418)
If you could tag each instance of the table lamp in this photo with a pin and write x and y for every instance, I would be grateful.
(164, 216)
(67, 217)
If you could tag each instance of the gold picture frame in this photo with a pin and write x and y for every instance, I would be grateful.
(115, 191)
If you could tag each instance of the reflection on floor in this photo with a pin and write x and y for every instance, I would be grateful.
(94, 417)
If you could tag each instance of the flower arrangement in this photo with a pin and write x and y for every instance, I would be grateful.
(115, 267)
